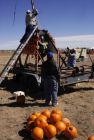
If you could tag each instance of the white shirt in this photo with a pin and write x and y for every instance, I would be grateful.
(30, 19)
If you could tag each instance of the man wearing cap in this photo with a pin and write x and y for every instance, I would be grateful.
(50, 75)
(31, 22)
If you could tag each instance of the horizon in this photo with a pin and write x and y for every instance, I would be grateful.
(81, 41)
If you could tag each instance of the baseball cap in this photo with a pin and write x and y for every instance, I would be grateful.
(50, 54)
(28, 11)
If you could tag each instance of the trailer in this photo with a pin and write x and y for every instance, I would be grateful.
(25, 63)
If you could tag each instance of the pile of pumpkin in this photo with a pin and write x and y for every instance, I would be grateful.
(49, 124)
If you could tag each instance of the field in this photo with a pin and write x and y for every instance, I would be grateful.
(76, 103)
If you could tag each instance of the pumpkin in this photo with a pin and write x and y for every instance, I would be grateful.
(50, 131)
(66, 121)
(30, 126)
(31, 118)
(36, 114)
(37, 133)
(91, 137)
(71, 131)
(42, 116)
(46, 113)
(60, 126)
(54, 117)
(57, 111)
(40, 122)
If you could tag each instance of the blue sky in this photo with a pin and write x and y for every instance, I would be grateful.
(71, 22)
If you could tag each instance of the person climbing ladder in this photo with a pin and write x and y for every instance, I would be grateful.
(31, 22)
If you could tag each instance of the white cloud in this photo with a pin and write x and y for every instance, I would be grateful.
(75, 41)
(61, 42)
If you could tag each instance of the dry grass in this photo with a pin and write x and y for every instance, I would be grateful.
(76, 103)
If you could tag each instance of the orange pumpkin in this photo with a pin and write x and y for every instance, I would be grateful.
(71, 131)
(56, 110)
(40, 122)
(60, 126)
(66, 121)
(50, 131)
(37, 133)
(46, 113)
(42, 116)
(36, 114)
(31, 118)
(91, 137)
(54, 117)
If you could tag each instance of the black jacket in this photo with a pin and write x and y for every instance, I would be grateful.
(49, 68)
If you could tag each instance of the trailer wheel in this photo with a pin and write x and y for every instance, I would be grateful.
(75, 71)
(81, 69)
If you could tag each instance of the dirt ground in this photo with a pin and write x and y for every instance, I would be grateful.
(76, 103)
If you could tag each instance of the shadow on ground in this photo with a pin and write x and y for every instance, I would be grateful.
(71, 89)
(27, 135)
(24, 134)
(35, 92)
(30, 88)
(31, 104)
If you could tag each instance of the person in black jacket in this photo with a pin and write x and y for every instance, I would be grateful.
(50, 76)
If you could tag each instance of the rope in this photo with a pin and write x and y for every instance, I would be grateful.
(32, 4)
(14, 15)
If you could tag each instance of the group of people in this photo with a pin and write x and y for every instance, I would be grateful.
(49, 70)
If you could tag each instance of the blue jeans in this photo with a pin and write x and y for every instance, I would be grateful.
(28, 31)
(72, 60)
(50, 89)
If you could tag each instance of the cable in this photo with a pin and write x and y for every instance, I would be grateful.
(15, 11)
(32, 4)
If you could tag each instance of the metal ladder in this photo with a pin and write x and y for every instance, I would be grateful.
(14, 57)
